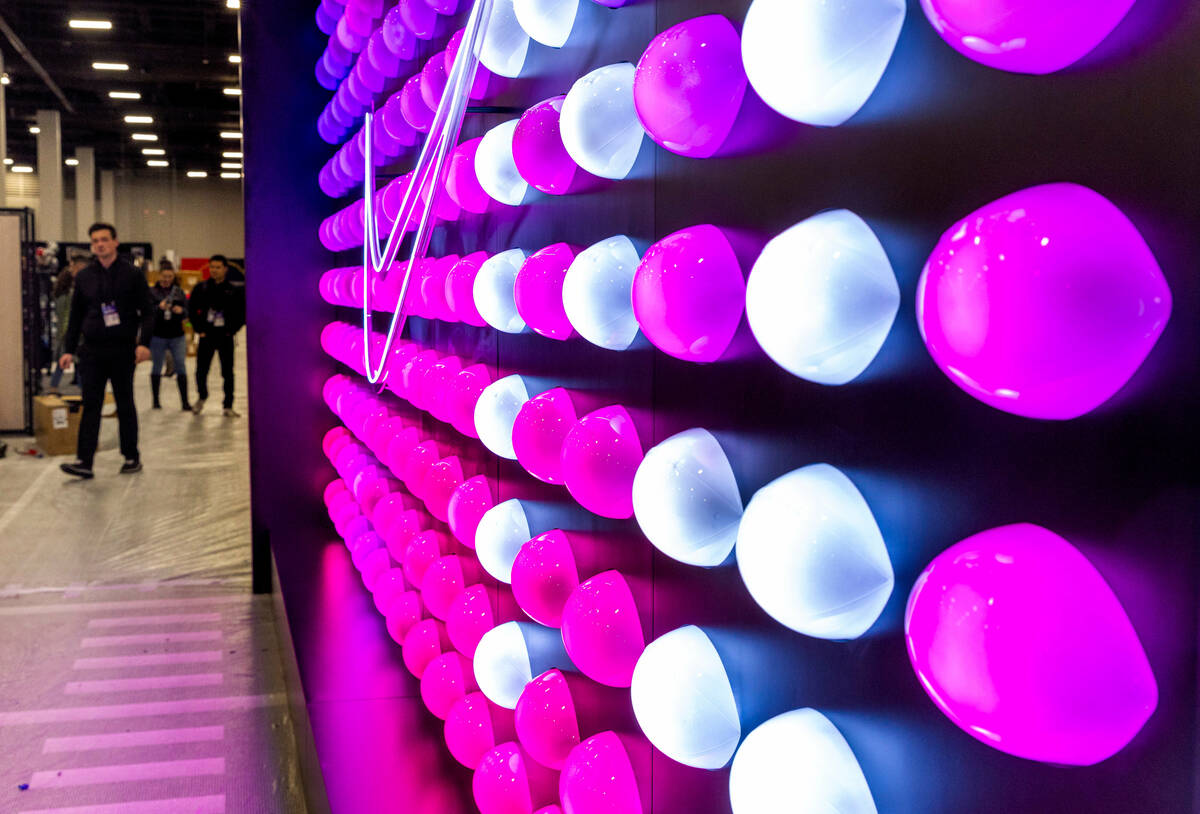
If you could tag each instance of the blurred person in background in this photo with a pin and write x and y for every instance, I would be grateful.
(218, 311)
(64, 288)
(170, 311)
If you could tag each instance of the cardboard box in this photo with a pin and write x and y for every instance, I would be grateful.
(56, 424)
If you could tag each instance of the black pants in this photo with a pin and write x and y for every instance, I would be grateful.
(97, 367)
(222, 345)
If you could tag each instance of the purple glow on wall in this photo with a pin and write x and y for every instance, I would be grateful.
(1043, 303)
(1019, 640)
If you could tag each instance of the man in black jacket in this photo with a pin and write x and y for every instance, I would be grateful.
(217, 309)
(111, 311)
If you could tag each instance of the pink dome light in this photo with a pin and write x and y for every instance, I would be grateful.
(399, 447)
(418, 17)
(461, 181)
(467, 388)
(538, 149)
(600, 458)
(557, 710)
(508, 781)
(446, 680)
(541, 427)
(689, 86)
(441, 481)
(377, 563)
(460, 288)
(544, 575)
(1043, 303)
(482, 75)
(433, 80)
(474, 726)
(602, 629)
(599, 778)
(1018, 639)
(538, 290)
(398, 534)
(470, 617)
(467, 506)
(418, 114)
(423, 550)
(417, 464)
(405, 612)
(444, 581)
(390, 586)
(424, 642)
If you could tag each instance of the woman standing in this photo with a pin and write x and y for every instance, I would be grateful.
(170, 312)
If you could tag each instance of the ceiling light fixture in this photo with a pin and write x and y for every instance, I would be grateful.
(232, 91)
(231, 175)
(92, 25)
(110, 66)
(139, 120)
(153, 151)
(8, 162)
(231, 166)
(236, 59)
(231, 155)
(5, 79)
(35, 130)
(197, 174)
(229, 134)
(72, 162)
(145, 137)
(233, 4)
(124, 94)
(157, 163)
(23, 169)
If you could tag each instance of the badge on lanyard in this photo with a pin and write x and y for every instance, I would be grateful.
(111, 318)
(217, 318)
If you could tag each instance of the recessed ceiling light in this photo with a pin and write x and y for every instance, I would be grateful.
(197, 174)
(22, 169)
(231, 166)
(232, 91)
(153, 151)
(35, 130)
(8, 162)
(94, 25)
(231, 155)
(233, 4)
(145, 137)
(229, 134)
(124, 94)
(72, 162)
(156, 163)
(236, 59)
(110, 66)
(231, 175)
(139, 120)
(5, 79)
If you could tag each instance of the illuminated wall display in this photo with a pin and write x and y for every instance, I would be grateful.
(599, 122)
(1019, 640)
(502, 531)
(509, 656)
(506, 44)
(997, 308)
(600, 457)
(495, 167)
(547, 21)
(546, 720)
(812, 556)
(818, 63)
(497, 410)
(690, 84)
(683, 701)
(538, 291)
(597, 293)
(798, 761)
(544, 574)
(493, 291)
(686, 499)
(538, 433)
(822, 298)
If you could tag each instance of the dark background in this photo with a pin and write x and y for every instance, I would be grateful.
(940, 137)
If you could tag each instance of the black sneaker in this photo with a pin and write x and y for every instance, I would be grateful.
(129, 467)
(77, 469)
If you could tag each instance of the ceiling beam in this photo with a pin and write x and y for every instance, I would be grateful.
(33, 63)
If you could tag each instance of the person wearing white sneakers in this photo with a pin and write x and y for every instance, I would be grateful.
(217, 309)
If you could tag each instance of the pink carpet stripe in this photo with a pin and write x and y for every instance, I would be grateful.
(125, 740)
(153, 638)
(180, 805)
(141, 710)
(151, 683)
(138, 621)
(149, 660)
(127, 773)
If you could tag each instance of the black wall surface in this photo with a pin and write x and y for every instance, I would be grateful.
(940, 137)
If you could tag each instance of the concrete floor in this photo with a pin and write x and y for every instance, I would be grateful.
(138, 673)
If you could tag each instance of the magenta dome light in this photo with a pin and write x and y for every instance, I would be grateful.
(538, 149)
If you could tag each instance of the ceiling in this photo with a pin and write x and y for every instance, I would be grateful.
(178, 56)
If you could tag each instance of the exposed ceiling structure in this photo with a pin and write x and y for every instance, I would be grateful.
(178, 53)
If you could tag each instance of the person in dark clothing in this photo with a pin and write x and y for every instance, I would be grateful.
(170, 310)
(218, 311)
(112, 313)
(64, 289)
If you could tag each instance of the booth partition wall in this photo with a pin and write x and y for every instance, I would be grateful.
(792, 406)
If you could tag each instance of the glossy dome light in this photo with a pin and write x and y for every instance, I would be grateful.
(1024, 37)
(798, 761)
(502, 531)
(602, 629)
(509, 781)
(496, 411)
(597, 294)
(509, 656)
(686, 499)
(818, 63)
(599, 122)
(506, 44)
(546, 720)
(683, 700)
(599, 778)
(538, 150)
(544, 574)
(812, 556)
(1043, 303)
(690, 84)
(1018, 639)
(600, 457)
(474, 726)
(547, 21)
(539, 431)
(493, 291)
(495, 167)
(538, 291)
(689, 293)
(822, 298)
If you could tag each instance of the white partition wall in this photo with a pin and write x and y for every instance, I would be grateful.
(13, 402)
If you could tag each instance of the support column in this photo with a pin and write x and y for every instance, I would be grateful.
(108, 196)
(50, 175)
(3, 138)
(85, 191)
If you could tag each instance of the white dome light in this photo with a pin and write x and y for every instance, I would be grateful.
(599, 123)
(495, 167)
(598, 293)
(502, 531)
(510, 655)
(496, 411)
(798, 761)
(818, 63)
(822, 298)
(812, 556)
(686, 499)
(493, 291)
(683, 701)
(547, 21)
(506, 44)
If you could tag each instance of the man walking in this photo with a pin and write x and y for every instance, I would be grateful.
(217, 309)
(112, 313)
